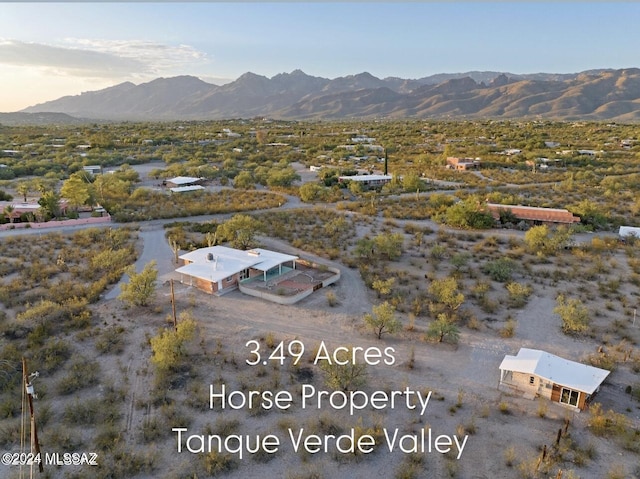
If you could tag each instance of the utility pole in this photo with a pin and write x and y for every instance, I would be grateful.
(173, 307)
(35, 444)
(386, 162)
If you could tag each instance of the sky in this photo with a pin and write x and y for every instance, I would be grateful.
(48, 50)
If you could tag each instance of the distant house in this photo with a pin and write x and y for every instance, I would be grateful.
(180, 181)
(536, 373)
(219, 269)
(535, 215)
(93, 169)
(367, 181)
(19, 208)
(462, 164)
(629, 231)
(511, 151)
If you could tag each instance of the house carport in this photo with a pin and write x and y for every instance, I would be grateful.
(218, 269)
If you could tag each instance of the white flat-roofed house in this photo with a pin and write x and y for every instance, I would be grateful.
(179, 181)
(537, 373)
(92, 169)
(369, 181)
(219, 269)
(629, 232)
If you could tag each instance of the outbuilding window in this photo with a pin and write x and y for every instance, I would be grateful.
(568, 396)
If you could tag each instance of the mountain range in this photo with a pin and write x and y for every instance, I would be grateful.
(591, 95)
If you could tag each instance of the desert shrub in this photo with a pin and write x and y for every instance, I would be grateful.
(65, 439)
(81, 374)
(111, 340)
(573, 313)
(607, 423)
(509, 329)
(124, 462)
(215, 463)
(510, 456)
(500, 269)
(518, 294)
(153, 429)
(332, 299)
(91, 411)
(169, 347)
(51, 355)
(108, 437)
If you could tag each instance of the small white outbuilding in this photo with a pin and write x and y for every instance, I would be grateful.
(537, 373)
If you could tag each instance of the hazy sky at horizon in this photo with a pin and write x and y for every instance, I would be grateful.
(48, 50)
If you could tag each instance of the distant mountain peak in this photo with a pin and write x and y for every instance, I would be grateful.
(594, 94)
(500, 80)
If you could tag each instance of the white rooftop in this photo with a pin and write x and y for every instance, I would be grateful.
(20, 206)
(183, 180)
(218, 262)
(625, 231)
(561, 371)
(366, 177)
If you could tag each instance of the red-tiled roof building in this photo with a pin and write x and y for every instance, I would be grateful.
(534, 214)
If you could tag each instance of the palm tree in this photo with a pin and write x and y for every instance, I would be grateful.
(8, 211)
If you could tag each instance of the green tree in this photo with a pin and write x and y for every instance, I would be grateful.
(168, 347)
(355, 187)
(111, 190)
(344, 374)
(365, 248)
(141, 286)
(573, 313)
(383, 286)
(537, 239)
(50, 204)
(244, 180)
(282, 177)
(445, 292)
(389, 245)
(471, 213)
(442, 328)
(239, 230)
(310, 192)
(542, 240)
(8, 212)
(23, 188)
(383, 319)
(412, 183)
(75, 191)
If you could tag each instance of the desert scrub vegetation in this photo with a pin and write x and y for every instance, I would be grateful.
(146, 204)
(419, 207)
(319, 231)
(49, 317)
(79, 267)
